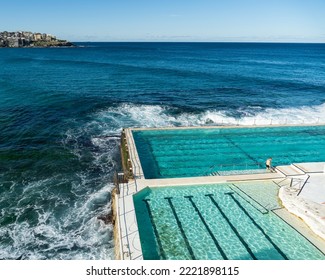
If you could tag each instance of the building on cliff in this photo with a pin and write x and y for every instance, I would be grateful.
(21, 39)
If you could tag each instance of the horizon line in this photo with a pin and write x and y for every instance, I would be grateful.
(193, 42)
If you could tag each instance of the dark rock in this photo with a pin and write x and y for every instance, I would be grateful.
(107, 219)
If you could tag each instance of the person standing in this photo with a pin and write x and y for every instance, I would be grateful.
(268, 164)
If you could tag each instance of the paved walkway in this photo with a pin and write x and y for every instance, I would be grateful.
(130, 247)
(304, 194)
(314, 189)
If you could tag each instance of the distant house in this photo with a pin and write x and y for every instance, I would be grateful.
(49, 37)
(37, 36)
(3, 43)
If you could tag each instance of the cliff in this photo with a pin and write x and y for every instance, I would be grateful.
(20, 39)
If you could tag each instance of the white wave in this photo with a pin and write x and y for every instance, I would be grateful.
(30, 187)
(130, 115)
(46, 231)
(99, 198)
(21, 235)
(74, 232)
(300, 115)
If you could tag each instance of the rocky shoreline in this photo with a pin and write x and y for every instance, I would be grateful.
(26, 39)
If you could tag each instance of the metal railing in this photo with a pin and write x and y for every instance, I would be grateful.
(279, 183)
(295, 182)
(299, 183)
(304, 184)
(265, 122)
(119, 178)
(136, 163)
(126, 159)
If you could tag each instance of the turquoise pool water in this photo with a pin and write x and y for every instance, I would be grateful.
(201, 152)
(217, 222)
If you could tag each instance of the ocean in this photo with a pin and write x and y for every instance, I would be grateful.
(62, 109)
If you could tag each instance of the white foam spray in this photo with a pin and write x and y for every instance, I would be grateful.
(131, 115)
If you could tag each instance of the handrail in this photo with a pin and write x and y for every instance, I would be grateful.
(117, 208)
(135, 164)
(278, 183)
(267, 122)
(119, 178)
(136, 158)
(308, 176)
(116, 182)
(130, 158)
(126, 162)
(298, 182)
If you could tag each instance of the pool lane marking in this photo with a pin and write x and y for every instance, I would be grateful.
(179, 224)
(241, 149)
(274, 212)
(267, 211)
(161, 250)
(232, 227)
(257, 225)
(207, 227)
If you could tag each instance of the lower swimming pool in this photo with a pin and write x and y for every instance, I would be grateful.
(221, 221)
(211, 151)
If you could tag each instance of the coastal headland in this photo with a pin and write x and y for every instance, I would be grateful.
(26, 39)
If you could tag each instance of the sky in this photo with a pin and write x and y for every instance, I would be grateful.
(169, 20)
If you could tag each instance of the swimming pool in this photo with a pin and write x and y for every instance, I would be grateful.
(175, 153)
(217, 222)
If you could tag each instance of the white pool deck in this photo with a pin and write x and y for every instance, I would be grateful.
(305, 212)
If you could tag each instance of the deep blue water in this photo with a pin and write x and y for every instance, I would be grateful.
(57, 107)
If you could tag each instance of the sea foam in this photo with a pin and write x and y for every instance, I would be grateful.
(132, 115)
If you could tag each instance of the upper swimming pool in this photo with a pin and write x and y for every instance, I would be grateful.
(178, 153)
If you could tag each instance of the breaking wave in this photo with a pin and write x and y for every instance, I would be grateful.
(130, 115)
